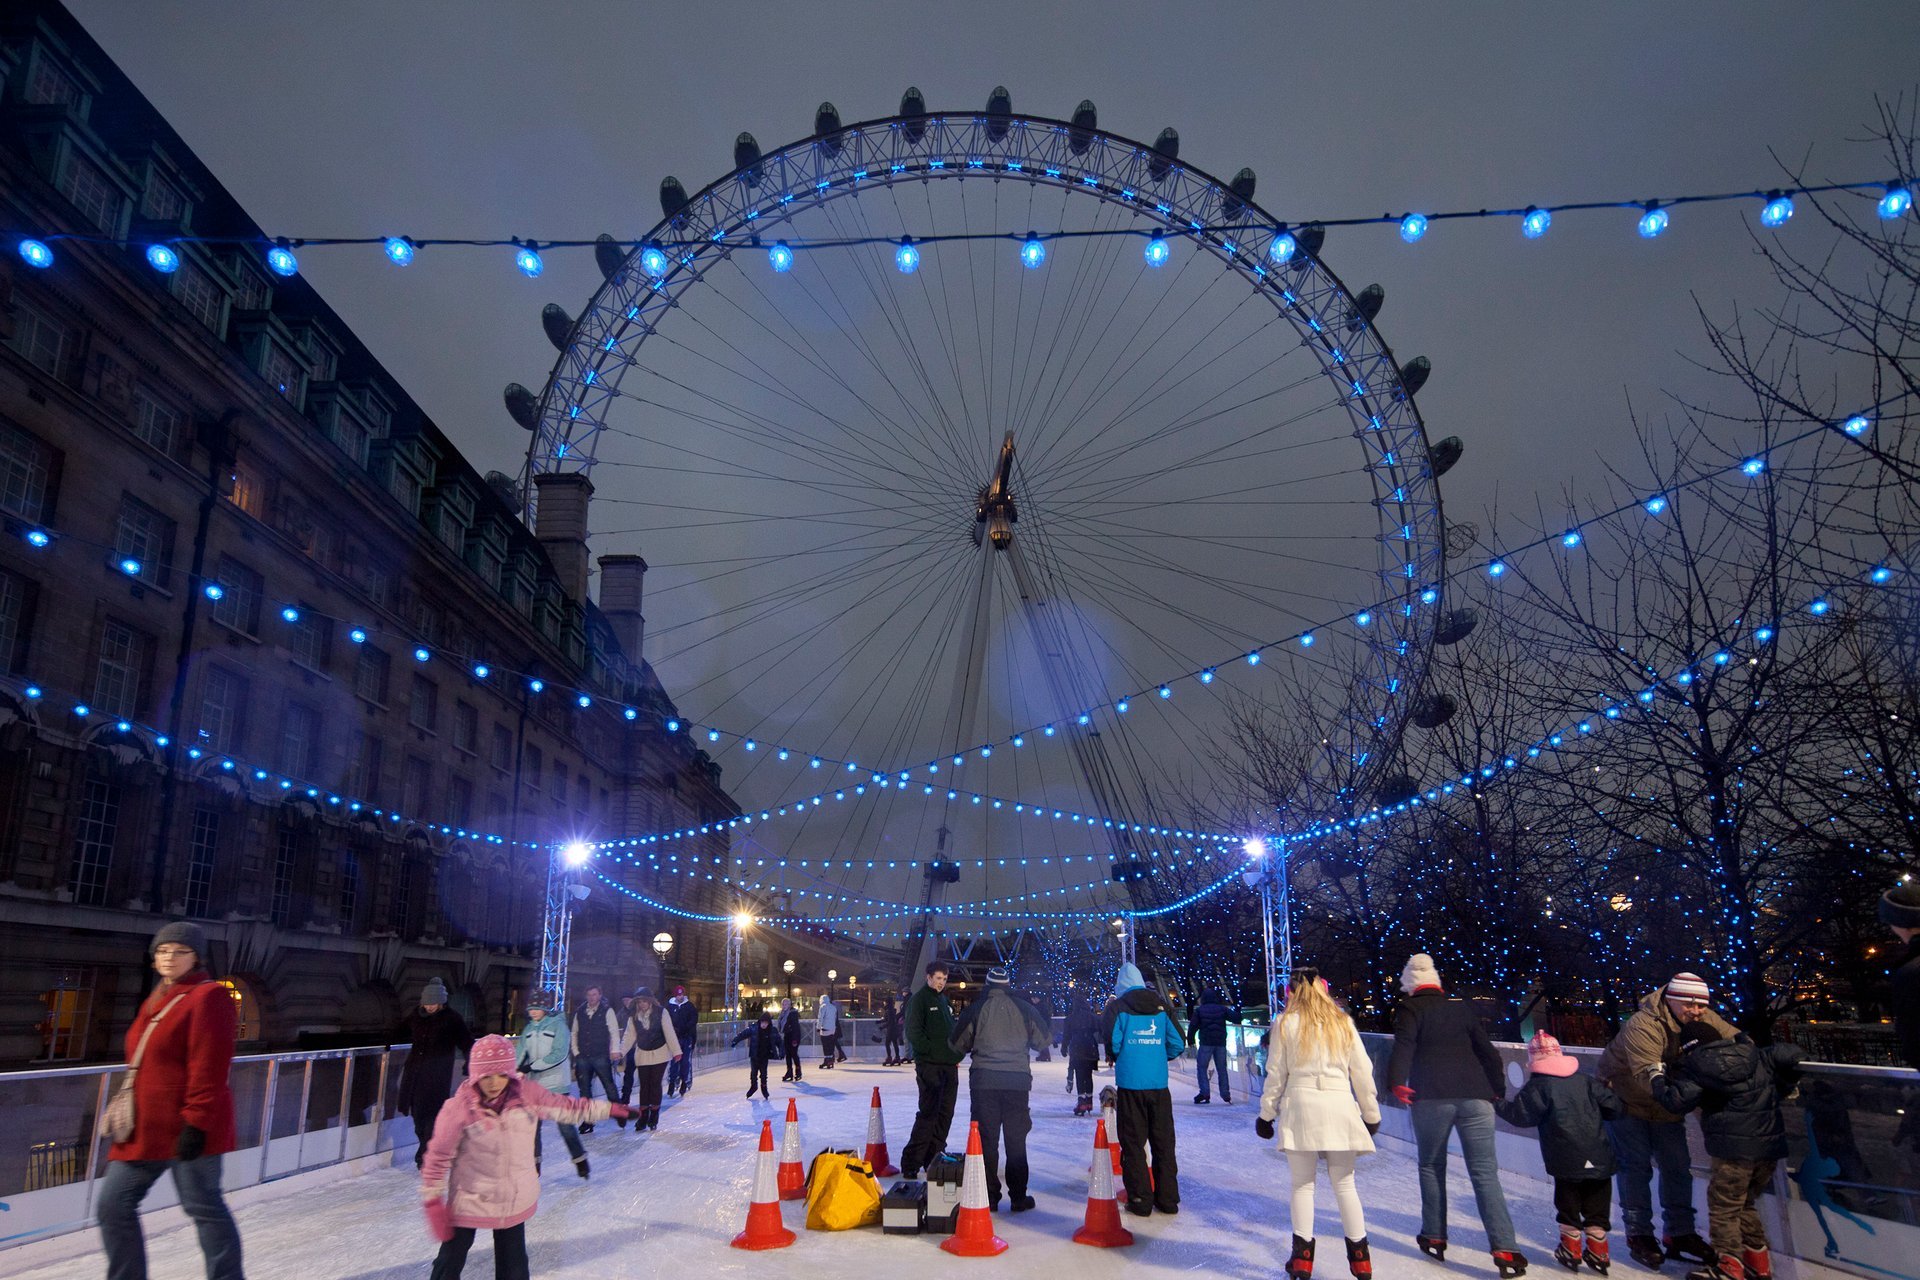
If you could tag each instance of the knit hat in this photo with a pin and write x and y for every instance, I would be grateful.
(1419, 972)
(1694, 1034)
(679, 991)
(537, 1001)
(997, 977)
(435, 992)
(1128, 979)
(1900, 906)
(181, 933)
(1545, 1056)
(643, 993)
(490, 1056)
(1687, 986)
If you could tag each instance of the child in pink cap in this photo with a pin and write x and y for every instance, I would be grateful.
(1569, 1109)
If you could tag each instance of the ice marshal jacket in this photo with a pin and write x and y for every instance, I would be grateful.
(929, 1023)
(1144, 1040)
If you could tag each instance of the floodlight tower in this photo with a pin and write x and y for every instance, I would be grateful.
(1266, 871)
(737, 926)
(564, 888)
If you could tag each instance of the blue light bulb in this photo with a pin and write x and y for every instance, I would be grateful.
(1753, 466)
(399, 251)
(1535, 223)
(358, 635)
(527, 258)
(1157, 250)
(214, 591)
(1283, 247)
(290, 614)
(130, 567)
(38, 538)
(1776, 211)
(1819, 608)
(906, 257)
(1363, 618)
(1857, 425)
(36, 253)
(1571, 538)
(421, 655)
(1653, 222)
(163, 259)
(780, 257)
(1032, 253)
(1896, 202)
(653, 261)
(281, 262)
(1881, 574)
(1655, 505)
(481, 671)
(1412, 227)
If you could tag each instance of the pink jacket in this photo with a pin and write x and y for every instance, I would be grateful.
(483, 1163)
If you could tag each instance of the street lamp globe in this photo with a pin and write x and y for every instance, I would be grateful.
(662, 943)
(833, 975)
(787, 967)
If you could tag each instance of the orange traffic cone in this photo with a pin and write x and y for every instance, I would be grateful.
(1102, 1229)
(793, 1175)
(764, 1228)
(973, 1222)
(1111, 1122)
(883, 1166)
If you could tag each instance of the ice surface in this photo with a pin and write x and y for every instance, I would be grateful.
(667, 1203)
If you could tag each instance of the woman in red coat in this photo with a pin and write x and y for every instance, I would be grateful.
(183, 1111)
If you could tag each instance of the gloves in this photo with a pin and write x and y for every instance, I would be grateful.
(192, 1144)
(1404, 1093)
(439, 1218)
(1264, 1128)
(620, 1111)
(1373, 1127)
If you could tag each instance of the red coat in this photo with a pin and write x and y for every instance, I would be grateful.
(183, 1077)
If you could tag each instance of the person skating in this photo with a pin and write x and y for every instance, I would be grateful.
(1738, 1087)
(1080, 1044)
(181, 1041)
(1648, 1136)
(596, 1035)
(1001, 1031)
(1900, 911)
(1570, 1110)
(651, 1038)
(686, 1029)
(1208, 1030)
(544, 1052)
(1144, 1039)
(827, 1023)
(763, 1043)
(936, 1070)
(625, 1066)
(1320, 1090)
(481, 1172)
(892, 1022)
(789, 1023)
(436, 1035)
(1447, 1073)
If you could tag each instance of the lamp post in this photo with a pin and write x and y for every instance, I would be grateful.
(662, 945)
(737, 927)
(1267, 872)
(787, 969)
(1123, 934)
(833, 975)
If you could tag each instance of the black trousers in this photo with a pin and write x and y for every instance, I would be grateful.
(894, 1046)
(509, 1254)
(939, 1089)
(1003, 1114)
(1080, 1075)
(756, 1076)
(793, 1062)
(1583, 1202)
(626, 1078)
(649, 1078)
(1146, 1120)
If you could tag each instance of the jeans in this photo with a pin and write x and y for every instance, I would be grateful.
(1004, 1113)
(939, 1089)
(1640, 1145)
(198, 1181)
(1217, 1055)
(509, 1254)
(569, 1134)
(587, 1070)
(680, 1074)
(1472, 1118)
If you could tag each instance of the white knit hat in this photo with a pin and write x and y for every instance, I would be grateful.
(1419, 972)
(1687, 986)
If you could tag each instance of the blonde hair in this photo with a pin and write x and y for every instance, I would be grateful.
(1320, 1027)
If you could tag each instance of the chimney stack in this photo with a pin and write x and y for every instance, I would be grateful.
(622, 580)
(560, 525)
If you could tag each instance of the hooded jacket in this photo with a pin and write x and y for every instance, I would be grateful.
(1000, 1030)
(1080, 1037)
(686, 1020)
(1738, 1087)
(763, 1041)
(929, 1023)
(543, 1051)
(481, 1157)
(827, 1021)
(1568, 1108)
(183, 1074)
(1651, 1036)
(1208, 1024)
(1441, 1050)
(1144, 1039)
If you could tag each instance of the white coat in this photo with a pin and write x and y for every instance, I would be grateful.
(631, 1040)
(1323, 1101)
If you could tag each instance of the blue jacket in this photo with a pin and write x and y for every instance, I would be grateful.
(543, 1052)
(1144, 1041)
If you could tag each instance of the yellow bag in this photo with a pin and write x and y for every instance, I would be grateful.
(841, 1193)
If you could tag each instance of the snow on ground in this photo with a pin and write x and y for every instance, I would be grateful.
(668, 1202)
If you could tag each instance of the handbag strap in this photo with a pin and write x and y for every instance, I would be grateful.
(139, 1050)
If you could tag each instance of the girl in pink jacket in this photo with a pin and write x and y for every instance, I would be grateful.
(479, 1169)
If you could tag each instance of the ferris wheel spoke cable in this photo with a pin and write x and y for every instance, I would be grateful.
(1095, 270)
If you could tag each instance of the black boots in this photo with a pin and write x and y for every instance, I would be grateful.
(1434, 1247)
(1300, 1265)
(1359, 1259)
(1647, 1252)
(1509, 1263)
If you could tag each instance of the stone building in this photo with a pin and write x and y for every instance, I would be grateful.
(273, 654)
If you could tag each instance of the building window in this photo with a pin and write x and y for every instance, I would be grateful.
(52, 85)
(143, 535)
(460, 801)
(63, 1035)
(559, 784)
(92, 193)
(299, 732)
(240, 591)
(246, 1009)
(349, 887)
(533, 766)
(155, 421)
(281, 371)
(223, 700)
(502, 748)
(26, 473)
(249, 492)
(414, 786)
(126, 656)
(310, 641)
(423, 704)
(195, 289)
(162, 201)
(466, 727)
(93, 842)
(202, 845)
(370, 675)
(44, 342)
(16, 620)
(286, 854)
(364, 780)
(254, 293)
(350, 436)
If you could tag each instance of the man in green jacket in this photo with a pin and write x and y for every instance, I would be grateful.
(936, 1069)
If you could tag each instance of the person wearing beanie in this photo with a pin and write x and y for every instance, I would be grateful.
(182, 1042)
(481, 1171)
(596, 1034)
(650, 1037)
(1900, 911)
(435, 1035)
(686, 1029)
(1208, 1030)
(936, 1070)
(1446, 1072)
(893, 1023)
(1080, 1042)
(789, 1024)
(1646, 1135)
(763, 1044)
(1737, 1087)
(544, 1050)
(1570, 1110)
(1144, 1039)
(1001, 1030)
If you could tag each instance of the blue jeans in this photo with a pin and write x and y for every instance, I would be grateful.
(569, 1134)
(198, 1181)
(680, 1074)
(587, 1070)
(1217, 1055)
(1639, 1145)
(1472, 1118)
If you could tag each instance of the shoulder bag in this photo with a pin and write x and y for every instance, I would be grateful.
(117, 1120)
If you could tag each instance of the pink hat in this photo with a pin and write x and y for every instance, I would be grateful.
(1544, 1056)
(490, 1056)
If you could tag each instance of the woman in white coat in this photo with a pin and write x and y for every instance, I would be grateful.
(650, 1038)
(1320, 1089)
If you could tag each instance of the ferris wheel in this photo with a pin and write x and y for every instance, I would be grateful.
(1008, 449)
